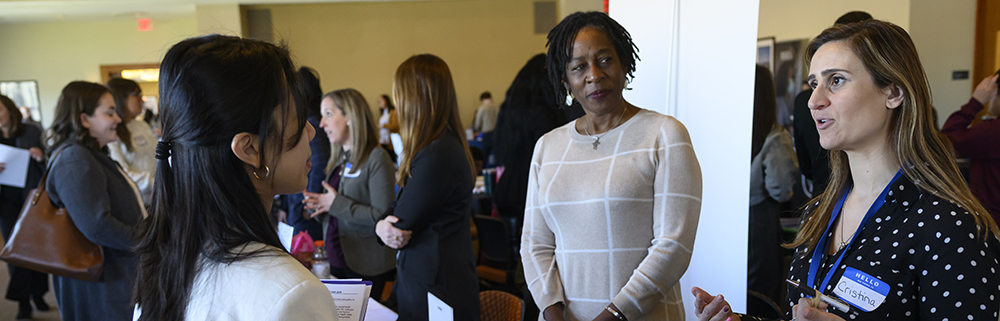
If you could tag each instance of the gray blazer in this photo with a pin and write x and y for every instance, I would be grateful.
(361, 201)
(103, 205)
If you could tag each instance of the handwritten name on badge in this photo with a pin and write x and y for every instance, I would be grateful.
(861, 290)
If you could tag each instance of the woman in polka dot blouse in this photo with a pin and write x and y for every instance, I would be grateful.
(897, 235)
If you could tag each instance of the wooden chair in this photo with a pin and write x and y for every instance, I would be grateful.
(500, 306)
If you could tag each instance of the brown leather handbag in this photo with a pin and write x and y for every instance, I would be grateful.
(46, 240)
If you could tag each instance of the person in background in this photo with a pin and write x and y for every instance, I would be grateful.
(814, 160)
(28, 119)
(773, 172)
(364, 177)
(978, 142)
(25, 284)
(153, 120)
(388, 124)
(208, 251)
(614, 197)
(529, 110)
(298, 217)
(897, 234)
(135, 149)
(430, 220)
(103, 202)
(484, 123)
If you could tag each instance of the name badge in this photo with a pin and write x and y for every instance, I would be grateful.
(347, 171)
(861, 290)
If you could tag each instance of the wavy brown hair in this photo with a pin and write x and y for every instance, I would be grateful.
(425, 100)
(78, 97)
(888, 54)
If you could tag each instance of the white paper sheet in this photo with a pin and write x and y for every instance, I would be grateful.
(16, 166)
(437, 310)
(285, 233)
(378, 312)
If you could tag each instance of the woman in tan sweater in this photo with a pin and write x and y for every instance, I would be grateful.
(613, 197)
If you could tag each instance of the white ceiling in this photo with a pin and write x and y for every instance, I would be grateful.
(21, 11)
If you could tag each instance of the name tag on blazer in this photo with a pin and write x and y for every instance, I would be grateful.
(861, 289)
(347, 171)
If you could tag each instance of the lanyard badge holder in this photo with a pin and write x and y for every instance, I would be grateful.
(817, 255)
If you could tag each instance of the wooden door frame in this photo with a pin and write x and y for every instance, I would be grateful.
(115, 71)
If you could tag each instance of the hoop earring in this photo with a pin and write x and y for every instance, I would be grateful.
(267, 172)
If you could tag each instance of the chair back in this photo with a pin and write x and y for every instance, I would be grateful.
(500, 306)
(495, 242)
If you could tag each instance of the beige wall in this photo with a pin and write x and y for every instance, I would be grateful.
(942, 31)
(360, 45)
(223, 19)
(945, 36)
(568, 7)
(796, 19)
(56, 53)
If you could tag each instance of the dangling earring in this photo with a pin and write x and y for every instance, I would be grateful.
(569, 99)
(267, 172)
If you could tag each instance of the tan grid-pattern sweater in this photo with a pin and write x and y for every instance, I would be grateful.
(615, 224)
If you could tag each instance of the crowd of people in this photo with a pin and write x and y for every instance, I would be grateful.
(605, 195)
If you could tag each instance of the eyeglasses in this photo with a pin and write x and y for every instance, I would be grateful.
(135, 94)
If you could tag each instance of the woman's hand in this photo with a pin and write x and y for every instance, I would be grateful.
(553, 313)
(36, 153)
(805, 312)
(986, 90)
(709, 308)
(607, 316)
(390, 235)
(2, 166)
(319, 203)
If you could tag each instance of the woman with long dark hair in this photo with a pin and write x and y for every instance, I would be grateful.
(388, 124)
(430, 224)
(100, 198)
(25, 284)
(529, 110)
(234, 135)
(773, 171)
(135, 149)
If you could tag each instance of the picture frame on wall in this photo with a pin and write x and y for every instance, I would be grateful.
(765, 53)
(24, 93)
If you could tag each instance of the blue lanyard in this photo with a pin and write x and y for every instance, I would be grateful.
(822, 245)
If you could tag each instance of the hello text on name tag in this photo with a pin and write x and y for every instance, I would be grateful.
(861, 290)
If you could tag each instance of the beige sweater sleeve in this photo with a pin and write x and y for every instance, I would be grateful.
(676, 210)
(538, 244)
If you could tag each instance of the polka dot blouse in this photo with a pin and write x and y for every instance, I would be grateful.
(927, 250)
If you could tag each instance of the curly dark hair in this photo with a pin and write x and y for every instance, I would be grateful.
(560, 44)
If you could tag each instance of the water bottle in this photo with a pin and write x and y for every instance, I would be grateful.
(320, 264)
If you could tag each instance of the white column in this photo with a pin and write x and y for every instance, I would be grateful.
(698, 66)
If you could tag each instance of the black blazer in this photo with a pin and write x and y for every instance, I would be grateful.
(434, 204)
(31, 136)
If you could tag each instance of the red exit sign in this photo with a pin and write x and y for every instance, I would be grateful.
(145, 24)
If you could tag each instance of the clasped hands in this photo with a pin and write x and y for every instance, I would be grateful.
(392, 237)
(715, 308)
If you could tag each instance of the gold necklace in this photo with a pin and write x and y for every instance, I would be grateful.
(597, 139)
